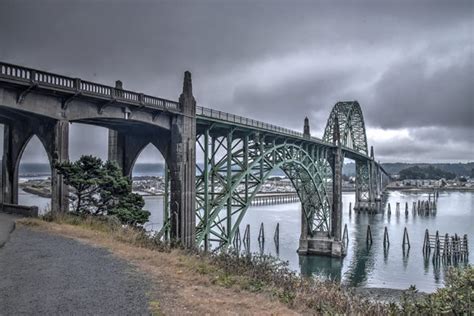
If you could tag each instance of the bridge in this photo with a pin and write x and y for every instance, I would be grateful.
(209, 194)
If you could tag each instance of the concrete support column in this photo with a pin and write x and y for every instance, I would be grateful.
(336, 214)
(124, 149)
(60, 153)
(304, 220)
(182, 165)
(116, 148)
(15, 137)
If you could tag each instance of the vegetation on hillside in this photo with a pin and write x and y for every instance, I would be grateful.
(429, 172)
(98, 188)
(270, 276)
(459, 169)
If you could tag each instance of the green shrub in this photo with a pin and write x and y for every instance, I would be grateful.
(99, 188)
(456, 298)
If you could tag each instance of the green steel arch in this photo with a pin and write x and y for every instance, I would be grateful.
(234, 169)
(353, 135)
(351, 126)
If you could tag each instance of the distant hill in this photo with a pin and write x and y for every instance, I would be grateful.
(459, 169)
(429, 172)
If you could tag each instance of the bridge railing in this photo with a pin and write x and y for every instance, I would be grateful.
(75, 85)
(216, 114)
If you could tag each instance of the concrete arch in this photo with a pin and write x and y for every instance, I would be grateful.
(134, 161)
(351, 126)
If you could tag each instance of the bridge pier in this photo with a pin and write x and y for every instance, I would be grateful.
(327, 243)
(182, 164)
(368, 185)
(124, 148)
(54, 135)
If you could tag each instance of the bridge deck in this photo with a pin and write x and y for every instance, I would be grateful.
(37, 79)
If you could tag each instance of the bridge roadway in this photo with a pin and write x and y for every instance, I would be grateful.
(35, 102)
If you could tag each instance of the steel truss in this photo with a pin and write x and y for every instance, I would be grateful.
(235, 165)
(353, 135)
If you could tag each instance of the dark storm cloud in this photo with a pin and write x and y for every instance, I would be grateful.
(408, 96)
(278, 61)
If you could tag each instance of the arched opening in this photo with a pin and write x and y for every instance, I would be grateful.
(34, 176)
(148, 176)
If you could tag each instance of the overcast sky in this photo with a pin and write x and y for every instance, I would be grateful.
(408, 63)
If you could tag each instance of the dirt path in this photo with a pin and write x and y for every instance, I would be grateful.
(47, 274)
(176, 289)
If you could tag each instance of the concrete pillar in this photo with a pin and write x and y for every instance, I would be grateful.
(116, 143)
(337, 186)
(306, 129)
(182, 164)
(60, 153)
(116, 148)
(124, 149)
(124, 146)
(15, 138)
(304, 220)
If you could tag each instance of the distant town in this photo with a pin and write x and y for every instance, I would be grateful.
(155, 185)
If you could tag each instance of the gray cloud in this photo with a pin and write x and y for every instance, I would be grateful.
(408, 63)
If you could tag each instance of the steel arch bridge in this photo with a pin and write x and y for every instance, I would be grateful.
(211, 193)
(239, 154)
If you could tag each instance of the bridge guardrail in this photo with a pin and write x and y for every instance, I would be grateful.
(74, 85)
(207, 112)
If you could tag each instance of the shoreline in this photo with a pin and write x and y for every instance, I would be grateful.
(430, 190)
(385, 295)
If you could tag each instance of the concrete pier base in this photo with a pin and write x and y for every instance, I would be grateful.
(372, 207)
(322, 246)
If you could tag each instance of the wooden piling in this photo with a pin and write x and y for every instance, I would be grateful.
(246, 238)
(386, 240)
(397, 208)
(345, 236)
(369, 236)
(406, 239)
(261, 234)
(236, 242)
(437, 245)
(445, 246)
(426, 243)
(350, 208)
(276, 236)
(466, 246)
(389, 211)
(406, 209)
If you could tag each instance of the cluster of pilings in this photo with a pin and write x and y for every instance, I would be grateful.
(369, 240)
(275, 199)
(447, 249)
(237, 242)
(425, 208)
(421, 208)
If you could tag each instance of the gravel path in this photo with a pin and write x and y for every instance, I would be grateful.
(43, 274)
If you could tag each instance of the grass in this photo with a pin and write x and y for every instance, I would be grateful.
(269, 276)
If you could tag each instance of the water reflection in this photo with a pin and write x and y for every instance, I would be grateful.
(325, 267)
